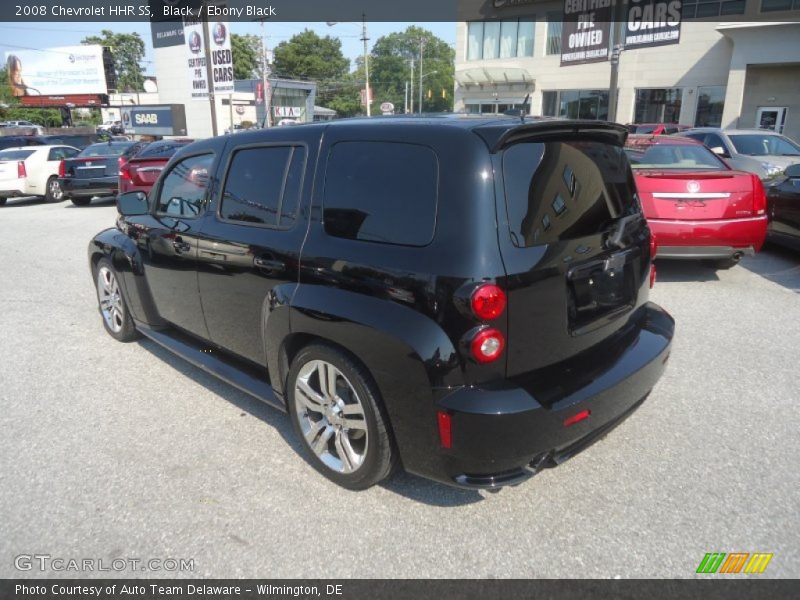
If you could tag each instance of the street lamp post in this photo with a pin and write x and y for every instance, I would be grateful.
(421, 50)
(421, 77)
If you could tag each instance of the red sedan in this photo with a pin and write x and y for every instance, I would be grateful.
(696, 205)
(140, 172)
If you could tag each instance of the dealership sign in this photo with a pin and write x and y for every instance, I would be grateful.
(221, 59)
(196, 58)
(157, 119)
(652, 23)
(585, 31)
(288, 111)
(167, 33)
(56, 71)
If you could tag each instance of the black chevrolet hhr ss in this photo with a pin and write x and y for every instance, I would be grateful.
(465, 297)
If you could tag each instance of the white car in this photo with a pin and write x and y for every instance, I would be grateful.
(32, 171)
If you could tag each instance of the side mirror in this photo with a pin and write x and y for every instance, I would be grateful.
(720, 151)
(793, 171)
(132, 203)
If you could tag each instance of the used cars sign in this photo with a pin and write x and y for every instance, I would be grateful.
(653, 23)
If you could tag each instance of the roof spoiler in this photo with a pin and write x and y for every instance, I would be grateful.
(499, 137)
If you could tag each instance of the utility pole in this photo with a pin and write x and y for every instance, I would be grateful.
(405, 105)
(411, 94)
(421, 50)
(618, 46)
(210, 77)
(265, 81)
(365, 39)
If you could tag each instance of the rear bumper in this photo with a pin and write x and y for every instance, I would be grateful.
(504, 436)
(716, 238)
(100, 186)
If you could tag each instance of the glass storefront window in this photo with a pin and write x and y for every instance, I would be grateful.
(554, 33)
(661, 105)
(775, 5)
(500, 39)
(575, 104)
(698, 9)
(710, 102)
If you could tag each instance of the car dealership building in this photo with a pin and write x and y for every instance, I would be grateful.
(729, 63)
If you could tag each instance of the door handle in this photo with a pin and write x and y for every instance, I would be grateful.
(269, 264)
(181, 246)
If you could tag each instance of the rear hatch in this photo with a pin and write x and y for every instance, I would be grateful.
(91, 167)
(697, 195)
(144, 172)
(574, 241)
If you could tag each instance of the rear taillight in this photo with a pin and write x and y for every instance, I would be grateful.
(487, 345)
(62, 169)
(759, 197)
(124, 170)
(653, 246)
(488, 302)
(577, 418)
(652, 275)
(21, 171)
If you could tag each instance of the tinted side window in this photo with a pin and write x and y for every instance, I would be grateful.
(381, 192)
(184, 188)
(544, 207)
(254, 185)
(713, 141)
(292, 187)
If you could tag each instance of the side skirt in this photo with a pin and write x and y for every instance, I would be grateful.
(213, 363)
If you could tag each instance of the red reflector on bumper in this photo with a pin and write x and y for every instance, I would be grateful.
(445, 431)
(581, 416)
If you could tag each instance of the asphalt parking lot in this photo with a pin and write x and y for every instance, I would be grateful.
(122, 450)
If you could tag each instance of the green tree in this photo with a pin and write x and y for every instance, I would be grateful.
(128, 52)
(6, 97)
(390, 69)
(309, 56)
(246, 56)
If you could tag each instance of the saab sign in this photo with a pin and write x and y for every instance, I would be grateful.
(158, 119)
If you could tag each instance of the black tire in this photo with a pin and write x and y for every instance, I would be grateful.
(723, 264)
(3, 201)
(81, 201)
(379, 454)
(52, 195)
(113, 309)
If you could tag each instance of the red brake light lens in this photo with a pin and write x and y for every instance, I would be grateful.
(652, 276)
(62, 169)
(445, 422)
(577, 418)
(759, 197)
(487, 345)
(653, 246)
(21, 171)
(124, 170)
(488, 302)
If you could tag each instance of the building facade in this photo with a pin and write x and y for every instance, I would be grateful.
(737, 64)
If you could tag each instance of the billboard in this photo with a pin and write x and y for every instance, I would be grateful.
(585, 31)
(56, 71)
(652, 23)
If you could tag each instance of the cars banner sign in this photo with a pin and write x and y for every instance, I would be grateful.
(652, 23)
(585, 31)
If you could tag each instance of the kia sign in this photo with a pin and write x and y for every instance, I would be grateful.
(652, 23)
(157, 119)
(585, 31)
(56, 71)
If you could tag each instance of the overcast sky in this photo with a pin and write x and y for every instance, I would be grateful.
(34, 36)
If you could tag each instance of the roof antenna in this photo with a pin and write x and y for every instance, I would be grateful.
(522, 111)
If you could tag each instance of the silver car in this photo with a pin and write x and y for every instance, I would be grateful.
(759, 151)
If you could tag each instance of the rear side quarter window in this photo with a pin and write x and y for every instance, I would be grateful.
(383, 192)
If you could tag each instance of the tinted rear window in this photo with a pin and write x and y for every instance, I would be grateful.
(565, 190)
(105, 149)
(381, 192)
(15, 154)
(158, 150)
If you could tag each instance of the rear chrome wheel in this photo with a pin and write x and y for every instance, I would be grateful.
(116, 320)
(331, 416)
(337, 412)
(54, 191)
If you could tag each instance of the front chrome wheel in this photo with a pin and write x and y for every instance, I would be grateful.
(108, 294)
(331, 416)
